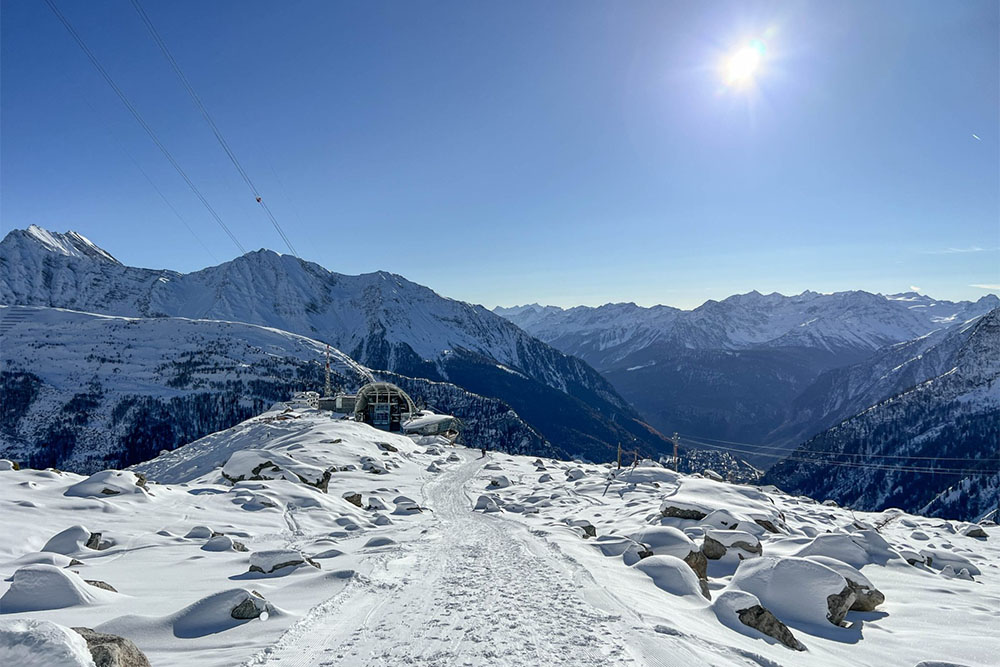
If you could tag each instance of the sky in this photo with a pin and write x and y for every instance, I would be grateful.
(503, 153)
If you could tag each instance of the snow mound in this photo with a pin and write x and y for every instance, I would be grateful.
(31, 642)
(666, 540)
(258, 464)
(672, 575)
(109, 483)
(210, 615)
(40, 586)
(794, 589)
(271, 561)
(72, 540)
(838, 546)
(695, 498)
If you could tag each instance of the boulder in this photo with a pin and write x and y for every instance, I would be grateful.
(973, 530)
(73, 540)
(269, 562)
(671, 575)
(498, 482)
(574, 474)
(101, 584)
(718, 542)
(252, 607)
(353, 498)
(795, 588)
(112, 650)
(7, 464)
(739, 609)
(487, 504)
(386, 447)
(866, 596)
(762, 620)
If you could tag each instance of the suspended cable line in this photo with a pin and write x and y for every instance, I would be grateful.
(818, 451)
(149, 180)
(852, 464)
(211, 122)
(138, 117)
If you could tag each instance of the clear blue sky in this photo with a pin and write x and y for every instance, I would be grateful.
(508, 152)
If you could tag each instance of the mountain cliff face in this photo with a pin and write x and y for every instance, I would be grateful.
(908, 450)
(85, 392)
(744, 368)
(381, 320)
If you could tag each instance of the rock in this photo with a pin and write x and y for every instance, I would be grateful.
(498, 482)
(7, 464)
(975, 531)
(545, 478)
(487, 504)
(386, 447)
(713, 549)
(762, 620)
(766, 525)
(711, 474)
(252, 607)
(866, 596)
(671, 511)
(268, 562)
(101, 584)
(353, 498)
(94, 542)
(839, 604)
(696, 561)
(112, 650)
(574, 474)
(375, 504)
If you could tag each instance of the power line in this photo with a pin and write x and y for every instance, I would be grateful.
(852, 464)
(138, 117)
(211, 122)
(149, 180)
(818, 451)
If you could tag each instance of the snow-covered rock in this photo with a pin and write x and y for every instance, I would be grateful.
(795, 589)
(33, 642)
(39, 587)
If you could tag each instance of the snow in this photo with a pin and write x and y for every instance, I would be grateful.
(30, 642)
(38, 587)
(518, 581)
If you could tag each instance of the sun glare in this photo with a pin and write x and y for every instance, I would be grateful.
(740, 67)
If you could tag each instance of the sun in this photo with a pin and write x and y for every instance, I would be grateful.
(740, 67)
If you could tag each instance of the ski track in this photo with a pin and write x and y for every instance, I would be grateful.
(470, 590)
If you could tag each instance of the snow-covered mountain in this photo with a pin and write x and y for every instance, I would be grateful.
(381, 320)
(84, 391)
(732, 369)
(908, 449)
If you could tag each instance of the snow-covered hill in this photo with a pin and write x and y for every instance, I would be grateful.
(949, 422)
(733, 369)
(84, 391)
(297, 539)
(381, 320)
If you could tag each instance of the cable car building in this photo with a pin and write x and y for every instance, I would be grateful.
(384, 406)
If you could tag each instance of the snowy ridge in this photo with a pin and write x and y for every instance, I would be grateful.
(381, 320)
(950, 421)
(84, 390)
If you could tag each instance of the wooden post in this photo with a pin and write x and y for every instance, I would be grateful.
(675, 439)
(619, 456)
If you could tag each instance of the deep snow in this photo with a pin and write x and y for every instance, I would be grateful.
(410, 573)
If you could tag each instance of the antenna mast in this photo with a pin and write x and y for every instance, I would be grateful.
(327, 389)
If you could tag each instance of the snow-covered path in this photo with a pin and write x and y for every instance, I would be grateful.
(471, 589)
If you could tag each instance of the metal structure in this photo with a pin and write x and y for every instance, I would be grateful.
(384, 406)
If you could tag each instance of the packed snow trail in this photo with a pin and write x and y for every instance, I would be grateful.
(471, 589)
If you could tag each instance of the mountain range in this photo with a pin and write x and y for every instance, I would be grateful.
(752, 367)
(380, 320)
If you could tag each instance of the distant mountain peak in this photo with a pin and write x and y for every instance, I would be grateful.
(71, 244)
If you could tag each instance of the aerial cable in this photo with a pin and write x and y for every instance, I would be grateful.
(138, 117)
(149, 180)
(818, 451)
(211, 122)
(851, 464)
